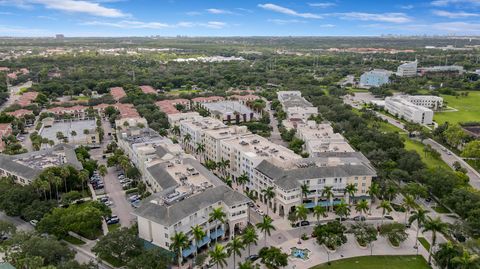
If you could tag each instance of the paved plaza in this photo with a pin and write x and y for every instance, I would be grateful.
(66, 129)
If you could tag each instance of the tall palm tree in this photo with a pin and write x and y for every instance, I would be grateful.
(176, 130)
(246, 265)
(222, 165)
(434, 226)
(218, 255)
(319, 211)
(445, 254)
(391, 192)
(386, 208)
(350, 190)
(198, 235)
(200, 150)
(268, 195)
(250, 237)
(228, 180)
(305, 189)
(327, 192)
(83, 177)
(179, 242)
(186, 139)
(466, 261)
(342, 210)
(234, 247)
(362, 207)
(218, 216)
(266, 227)
(373, 191)
(420, 216)
(243, 180)
(64, 174)
(408, 204)
(302, 213)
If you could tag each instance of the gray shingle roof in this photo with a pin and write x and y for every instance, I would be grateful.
(289, 179)
(161, 176)
(169, 215)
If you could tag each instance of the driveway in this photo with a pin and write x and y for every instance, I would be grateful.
(275, 136)
(18, 222)
(121, 207)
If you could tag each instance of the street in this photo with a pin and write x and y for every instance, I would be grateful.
(275, 136)
(14, 90)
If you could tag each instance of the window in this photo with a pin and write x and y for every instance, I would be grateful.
(166, 235)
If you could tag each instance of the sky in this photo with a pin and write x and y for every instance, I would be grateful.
(238, 18)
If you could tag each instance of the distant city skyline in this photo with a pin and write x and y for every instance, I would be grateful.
(112, 18)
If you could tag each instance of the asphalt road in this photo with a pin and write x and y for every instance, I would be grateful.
(275, 136)
(14, 94)
(18, 222)
(121, 207)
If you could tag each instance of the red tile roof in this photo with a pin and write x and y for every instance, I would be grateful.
(20, 113)
(127, 111)
(208, 99)
(27, 98)
(247, 97)
(148, 89)
(168, 106)
(117, 93)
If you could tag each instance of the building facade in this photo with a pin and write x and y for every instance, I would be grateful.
(402, 108)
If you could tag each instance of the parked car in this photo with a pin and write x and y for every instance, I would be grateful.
(99, 186)
(34, 222)
(108, 203)
(103, 199)
(388, 217)
(359, 218)
(252, 257)
(136, 204)
(134, 197)
(113, 221)
(305, 223)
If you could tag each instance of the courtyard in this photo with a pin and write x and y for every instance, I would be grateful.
(67, 128)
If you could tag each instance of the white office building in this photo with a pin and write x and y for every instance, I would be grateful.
(428, 101)
(407, 69)
(402, 108)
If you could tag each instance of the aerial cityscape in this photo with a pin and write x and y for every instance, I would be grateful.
(141, 134)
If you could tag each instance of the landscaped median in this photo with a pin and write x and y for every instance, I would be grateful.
(378, 262)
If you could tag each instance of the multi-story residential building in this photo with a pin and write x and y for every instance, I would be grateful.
(229, 111)
(405, 109)
(333, 169)
(117, 93)
(428, 101)
(76, 112)
(212, 140)
(321, 138)
(442, 70)
(169, 106)
(189, 194)
(175, 118)
(192, 131)
(24, 168)
(298, 109)
(147, 89)
(407, 69)
(210, 99)
(27, 98)
(245, 152)
(375, 78)
(244, 99)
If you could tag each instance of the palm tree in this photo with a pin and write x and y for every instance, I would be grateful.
(435, 226)
(250, 237)
(64, 174)
(228, 180)
(200, 150)
(391, 192)
(218, 255)
(176, 130)
(445, 254)
(327, 192)
(73, 133)
(342, 210)
(198, 235)
(234, 247)
(243, 180)
(466, 261)
(83, 176)
(373, 191)
(408, 204)
(350, 191)
(266, 227)
(420, 216)
(246, 265)
(222, 165)
(179, 242)
(302, 213)
(319, 211)
(217, 215)
(362, 207)
(305, 189)
(102, 170)
(386, 207)
(268, 194)
(187, 138)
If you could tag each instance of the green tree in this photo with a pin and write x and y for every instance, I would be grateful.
(266, 227)
(102, 170)
(179, 243)
(395, 232)
(273, 257)
(362, 207)
(342, 210)
(420, 216)
(327, 192)
(6, 228)
(268, 195)
(386, 208)
(365, 234)
(234, 247)
(305, 190)
(331, 234)
(350, 191)
(445, 254)
(466, 260)
(218, 216)
(155, 258)
(218, 256)
(319, 211)
(434, 226)
(243, 180)
(408, 204)
(250, 237)
(198, 234)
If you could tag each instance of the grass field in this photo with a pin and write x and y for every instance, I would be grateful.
(424, 243)
(73, 240)
(177, 92)
(378, 262)
(468, 109)
(429, 161)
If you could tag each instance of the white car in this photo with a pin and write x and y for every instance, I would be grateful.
(34, 222)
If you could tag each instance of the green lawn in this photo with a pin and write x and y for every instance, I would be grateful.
(113, 227)
(468, 109)
(387, 127)
(441, 209)
(73, 240)
(378, 262)
(428, 160)
(424, 243)
(177, 92)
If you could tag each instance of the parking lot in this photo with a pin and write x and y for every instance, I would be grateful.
(121, 207)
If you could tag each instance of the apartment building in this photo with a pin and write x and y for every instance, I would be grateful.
(407, 69)
(117, 93)
(333, 169)
(169, 106)
(320, 137)
(229, 111)
(245, 152)
(428, 101)
(375, 78)
(212, 140)
(442, 70)
(298, 109)
(24, 168)
(192, 131)
(210, 99)
(75, 112)
(244, 99)
(175, 118)
(189, 194)
(402, 108)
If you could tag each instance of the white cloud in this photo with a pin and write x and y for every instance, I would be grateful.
(442, 3)
(283, 22)
(406, 6)
(457, 27)
(73, 6)
(287, 11)
(322, 4)
(382, 17)
(218, 11)
(454, 15)
(130, 24)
